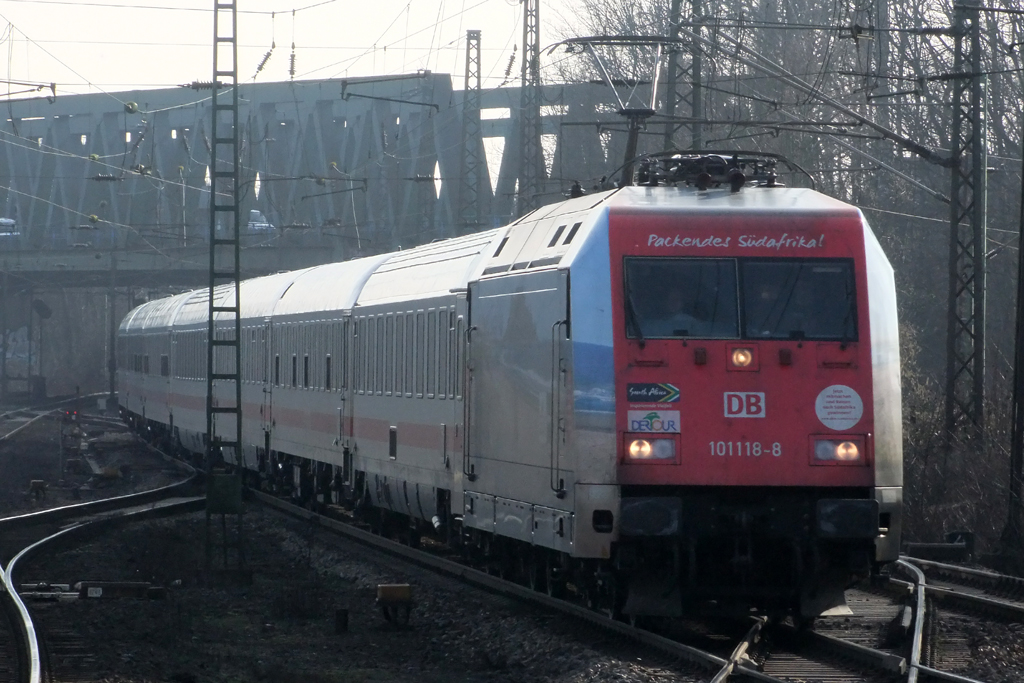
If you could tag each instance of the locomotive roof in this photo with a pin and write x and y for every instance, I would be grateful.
(548, 237)
(720, 200)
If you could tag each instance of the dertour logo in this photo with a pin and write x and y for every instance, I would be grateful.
(654, 421)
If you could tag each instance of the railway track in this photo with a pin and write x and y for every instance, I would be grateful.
(942, 590)
(25, 650)
(851, 648)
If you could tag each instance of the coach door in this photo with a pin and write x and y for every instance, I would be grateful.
(519, 386)
(456, 441)
(343, 346)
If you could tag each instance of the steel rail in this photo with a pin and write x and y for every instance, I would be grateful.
(49, 406)
(23, 426)
(120, 505)
(915, 644)
(514, 590)
(953, 596)
(731, 667)
(859, 653)
(753, 635)
(27, 626)
(994, 579)
(66, 512)
(46, 411)
(978, 603)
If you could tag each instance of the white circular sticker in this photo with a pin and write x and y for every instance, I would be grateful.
(839, 407)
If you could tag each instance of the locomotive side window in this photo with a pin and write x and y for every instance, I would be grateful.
(670, 298)
(806, 299)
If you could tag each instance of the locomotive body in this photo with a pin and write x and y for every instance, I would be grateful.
(655, 396)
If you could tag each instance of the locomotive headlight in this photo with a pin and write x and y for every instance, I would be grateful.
(640, 448)
(839, 451)
(742, 357)
(847, 450)
(652, 449)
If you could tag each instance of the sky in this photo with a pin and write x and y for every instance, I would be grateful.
(87, 46)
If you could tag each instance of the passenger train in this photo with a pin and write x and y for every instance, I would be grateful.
(677, 395)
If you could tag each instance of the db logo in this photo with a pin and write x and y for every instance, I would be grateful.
(744, 404)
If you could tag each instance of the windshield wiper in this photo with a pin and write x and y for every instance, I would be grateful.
(631, 318)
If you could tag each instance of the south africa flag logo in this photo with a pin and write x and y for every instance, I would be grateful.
(652, 393)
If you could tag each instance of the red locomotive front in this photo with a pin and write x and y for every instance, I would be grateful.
(744, 397)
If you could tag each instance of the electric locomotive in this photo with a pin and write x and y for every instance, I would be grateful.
(677, 395)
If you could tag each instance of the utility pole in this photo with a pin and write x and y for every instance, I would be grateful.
(965, 331)
(531, 158)
(223, 349)
(688, 101)
(469, 183)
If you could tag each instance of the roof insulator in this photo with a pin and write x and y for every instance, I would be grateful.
(736, 180)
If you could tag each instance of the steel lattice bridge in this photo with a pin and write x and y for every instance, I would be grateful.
(94, 185)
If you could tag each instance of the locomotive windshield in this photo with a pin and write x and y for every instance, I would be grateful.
(799, 300)
(671, 297)
(676, 298)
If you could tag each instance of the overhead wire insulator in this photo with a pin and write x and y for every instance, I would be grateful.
(263, 62)
(202, 85)
(291, 62)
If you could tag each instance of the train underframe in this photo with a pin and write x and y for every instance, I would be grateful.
(681, 550)
(733, 549)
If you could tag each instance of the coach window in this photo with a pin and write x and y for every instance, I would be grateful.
(799, 299)
(389, 355)
(371, 355)
(410, 339)
(355, 355)
(277, 370)
(457, 357)
(361, 355)
(399, 353)
(442, 353)
(305, 371)
(431, 354)
(165, 366)
(343, 351)
(327, 372)
(672, 298)
(421, 352)
(252, 356)
(295, 370)
(380, 352)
